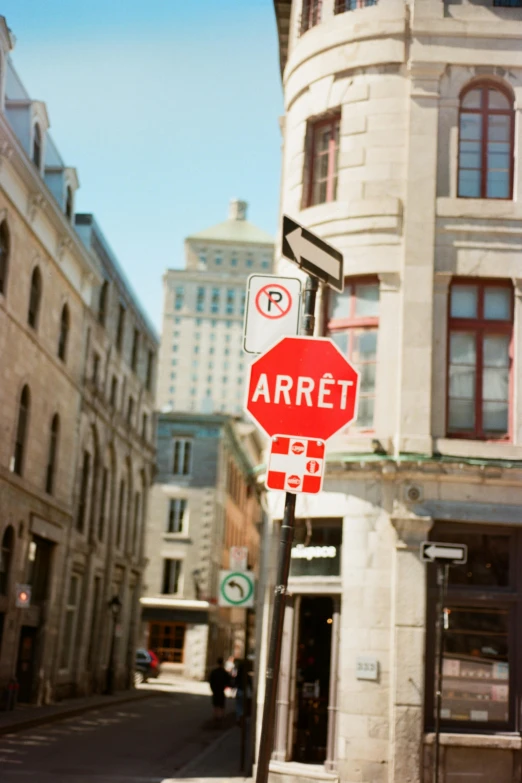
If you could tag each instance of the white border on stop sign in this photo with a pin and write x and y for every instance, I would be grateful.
(303, 337)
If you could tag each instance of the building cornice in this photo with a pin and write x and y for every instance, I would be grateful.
(176, 603)
(283, 10)
(40, 197)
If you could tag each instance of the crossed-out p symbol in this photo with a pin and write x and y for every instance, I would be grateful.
(273, 301)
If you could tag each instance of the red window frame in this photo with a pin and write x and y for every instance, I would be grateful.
(351, 5)
(310, 14)
(334, 123)
(480, 327)
(485, 112)
(351, 323)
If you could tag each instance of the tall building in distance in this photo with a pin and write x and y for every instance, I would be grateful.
(202, 363)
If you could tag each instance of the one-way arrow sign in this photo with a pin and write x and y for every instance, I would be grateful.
(312, 254)
(432, 552)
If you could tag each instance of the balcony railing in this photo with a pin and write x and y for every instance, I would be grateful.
(351, 5)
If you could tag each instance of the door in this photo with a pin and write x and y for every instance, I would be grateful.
(312, 682)
(26, 663)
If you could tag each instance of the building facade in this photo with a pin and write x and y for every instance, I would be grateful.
(203, 502)
(55, 532)
(116, 457)
(202, 363)
(401, 147)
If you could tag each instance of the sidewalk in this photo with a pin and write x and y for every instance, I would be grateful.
(219, 763)
(28, 716)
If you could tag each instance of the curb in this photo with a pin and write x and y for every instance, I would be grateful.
(73, 712)
(204, 753)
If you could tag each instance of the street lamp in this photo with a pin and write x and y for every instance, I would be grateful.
(115, 608)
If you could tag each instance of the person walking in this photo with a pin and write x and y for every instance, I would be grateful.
(240, 690)
(219, 680)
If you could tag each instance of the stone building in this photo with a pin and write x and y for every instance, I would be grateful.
(58, 509)
(116, 455)
(203, 501)
(401, 146)
(202, 363)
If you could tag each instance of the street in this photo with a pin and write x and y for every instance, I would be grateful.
(146, 741)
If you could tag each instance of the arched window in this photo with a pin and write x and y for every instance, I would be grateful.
(35, 296)
(69, 203)
(102, 308)
(486, 142)
(4, 256)
(53, 451)
(6, 555)
(21, 430)
(64, 333)
(37, 146)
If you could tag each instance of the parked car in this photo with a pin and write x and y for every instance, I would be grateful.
(147, 666)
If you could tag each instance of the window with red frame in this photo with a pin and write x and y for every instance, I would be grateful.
(351, 5)
(486, 143)
(323, 160)
(353, 322)
(479, 359)
(310, 15)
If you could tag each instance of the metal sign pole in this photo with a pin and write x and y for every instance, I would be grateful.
(244, 685)
(283, 569)
(442, 581)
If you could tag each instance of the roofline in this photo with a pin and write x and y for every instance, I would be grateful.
(210, 418)
(283, 9)
(29, 175)
(225, 420)
(219, 241)
(88, 219)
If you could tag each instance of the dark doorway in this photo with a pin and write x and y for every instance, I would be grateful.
(26, 662)
(314, 643)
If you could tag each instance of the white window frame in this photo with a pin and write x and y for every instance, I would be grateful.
(178, 510)
(178, 462)
(179, 576)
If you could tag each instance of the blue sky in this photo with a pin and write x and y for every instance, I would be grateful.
(167, 108)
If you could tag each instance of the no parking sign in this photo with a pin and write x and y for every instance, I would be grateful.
(272, 310)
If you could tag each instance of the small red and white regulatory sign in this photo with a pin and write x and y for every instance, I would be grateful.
(296, 464)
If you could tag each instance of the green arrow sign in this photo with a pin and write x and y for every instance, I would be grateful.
(236, 588)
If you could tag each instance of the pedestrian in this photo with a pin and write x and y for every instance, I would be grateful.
(219, 680)
(240, 690)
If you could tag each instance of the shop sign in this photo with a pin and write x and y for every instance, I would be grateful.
(312, 552)
(318, 551)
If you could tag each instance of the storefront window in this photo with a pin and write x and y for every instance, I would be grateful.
(317, 548)
(167, 640)
(476, 665)
(482, 622)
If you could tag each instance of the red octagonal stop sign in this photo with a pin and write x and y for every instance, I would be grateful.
(302, 386)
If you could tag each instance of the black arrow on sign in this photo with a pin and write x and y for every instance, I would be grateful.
(236, 584)
(312, 254)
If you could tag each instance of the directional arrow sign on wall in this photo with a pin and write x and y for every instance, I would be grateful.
(312, 254)
(433, 552)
